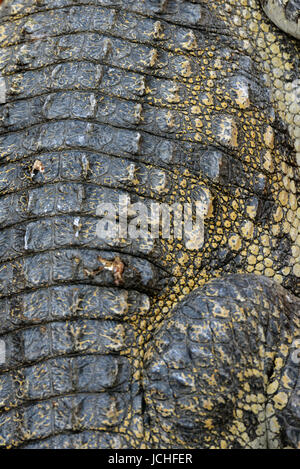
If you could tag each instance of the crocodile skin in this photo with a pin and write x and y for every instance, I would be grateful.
(165, 101)
(285, 14)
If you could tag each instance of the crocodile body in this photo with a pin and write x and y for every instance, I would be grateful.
(147, 343)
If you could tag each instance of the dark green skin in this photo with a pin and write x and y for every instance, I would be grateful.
(285, 14)
(148, 361)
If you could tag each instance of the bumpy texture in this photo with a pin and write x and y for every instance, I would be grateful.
(168, 101)
(285, 14)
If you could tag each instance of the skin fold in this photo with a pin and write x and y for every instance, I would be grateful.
(149, 343)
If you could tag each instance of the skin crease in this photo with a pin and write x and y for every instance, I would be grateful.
(148, 344)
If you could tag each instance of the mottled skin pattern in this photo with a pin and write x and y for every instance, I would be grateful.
(285, 14)
(172, 101)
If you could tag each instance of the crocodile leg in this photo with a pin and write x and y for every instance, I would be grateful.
(223, 369)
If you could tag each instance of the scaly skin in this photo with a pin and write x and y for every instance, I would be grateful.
(165, 100)
(285, 14)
